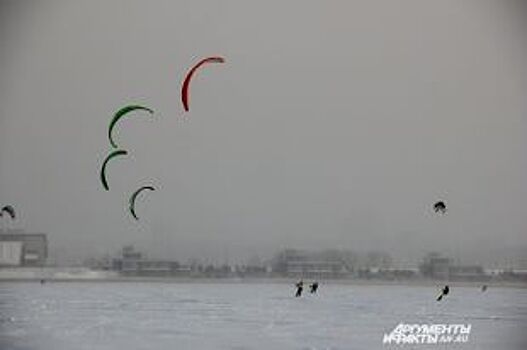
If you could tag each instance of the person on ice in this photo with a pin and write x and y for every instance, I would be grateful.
(299, 288)
(313, 287)
(444, 292)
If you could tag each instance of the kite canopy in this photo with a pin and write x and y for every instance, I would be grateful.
(103, 168)
(133, 197)
(122, 113)
(440, 207)
(188, 78)
(10, 210)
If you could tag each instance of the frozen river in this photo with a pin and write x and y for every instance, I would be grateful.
(159, 316)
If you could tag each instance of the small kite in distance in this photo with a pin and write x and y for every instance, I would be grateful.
(440, 207)
(188, 78)
(133, 197)
(10, 210)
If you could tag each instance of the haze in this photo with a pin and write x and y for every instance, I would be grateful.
(333, 124)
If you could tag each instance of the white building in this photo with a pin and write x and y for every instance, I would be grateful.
(22, 249)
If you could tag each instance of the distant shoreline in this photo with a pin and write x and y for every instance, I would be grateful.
(270, 280)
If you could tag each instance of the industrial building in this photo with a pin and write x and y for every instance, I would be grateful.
(438, 267)
(297, 263)
(435, 266)
(134, 263)
(20, 249)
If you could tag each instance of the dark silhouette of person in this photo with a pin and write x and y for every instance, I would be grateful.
(313, 287)
(444, 292)
(299, 288)
(446, 289)
(484, 288)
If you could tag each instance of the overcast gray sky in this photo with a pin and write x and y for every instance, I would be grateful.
(332, 124)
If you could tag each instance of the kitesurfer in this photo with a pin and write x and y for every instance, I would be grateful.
(444, 292)
(299, 288)
(313, 287)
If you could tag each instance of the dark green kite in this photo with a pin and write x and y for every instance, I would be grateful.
(134, 196)
(112, 155)
(120, 114)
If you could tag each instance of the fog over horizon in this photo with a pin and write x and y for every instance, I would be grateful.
(332, 124)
